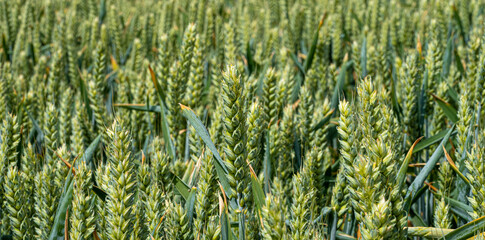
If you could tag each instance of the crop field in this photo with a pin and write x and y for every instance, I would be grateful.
(242, 119)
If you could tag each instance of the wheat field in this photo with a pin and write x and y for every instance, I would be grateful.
(232, 119)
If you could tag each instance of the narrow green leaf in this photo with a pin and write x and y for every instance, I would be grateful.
(447, 57)
(363, 58)
(297, 63)
(356, 18)
(226, 232)
(468, 230)
(324, 121)
(448, 110)
(423, 174)
(395, 103)
(249, 56)
(165, 128)
(461, 213)
(452, 93)
(454, 167)
(460, 208)
(417, 221)
(431, 140)
(456, 17)
(422, 100)
(182, 187)
(88, 154)
(242, 224)
(458, 63)
(267, 166)
(189, 205)
(311, 53)
(204, 135)
(340, 84)
(456, 203)
(64, 203)
(84, 95)
(401, 176)
(258, 192)
(333, 225)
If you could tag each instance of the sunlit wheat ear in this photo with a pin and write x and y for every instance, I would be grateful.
(10, 135)
(154, 210)
(441, 214)
(16, 204)
(46, 200)
(83, 215)
(121, 185)
(378, 223)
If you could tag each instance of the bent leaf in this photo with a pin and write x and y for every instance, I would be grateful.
(165, 128)
(404, 167)
(204, 135)
(448, 110)
(419, 180)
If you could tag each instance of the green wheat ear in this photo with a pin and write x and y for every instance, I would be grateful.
(299, 209)
(46, 199)
(234, 133)
(121, 186)
(274, 214)
(16, 204)
(10, 135)
(206, 205)
(83, 203)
